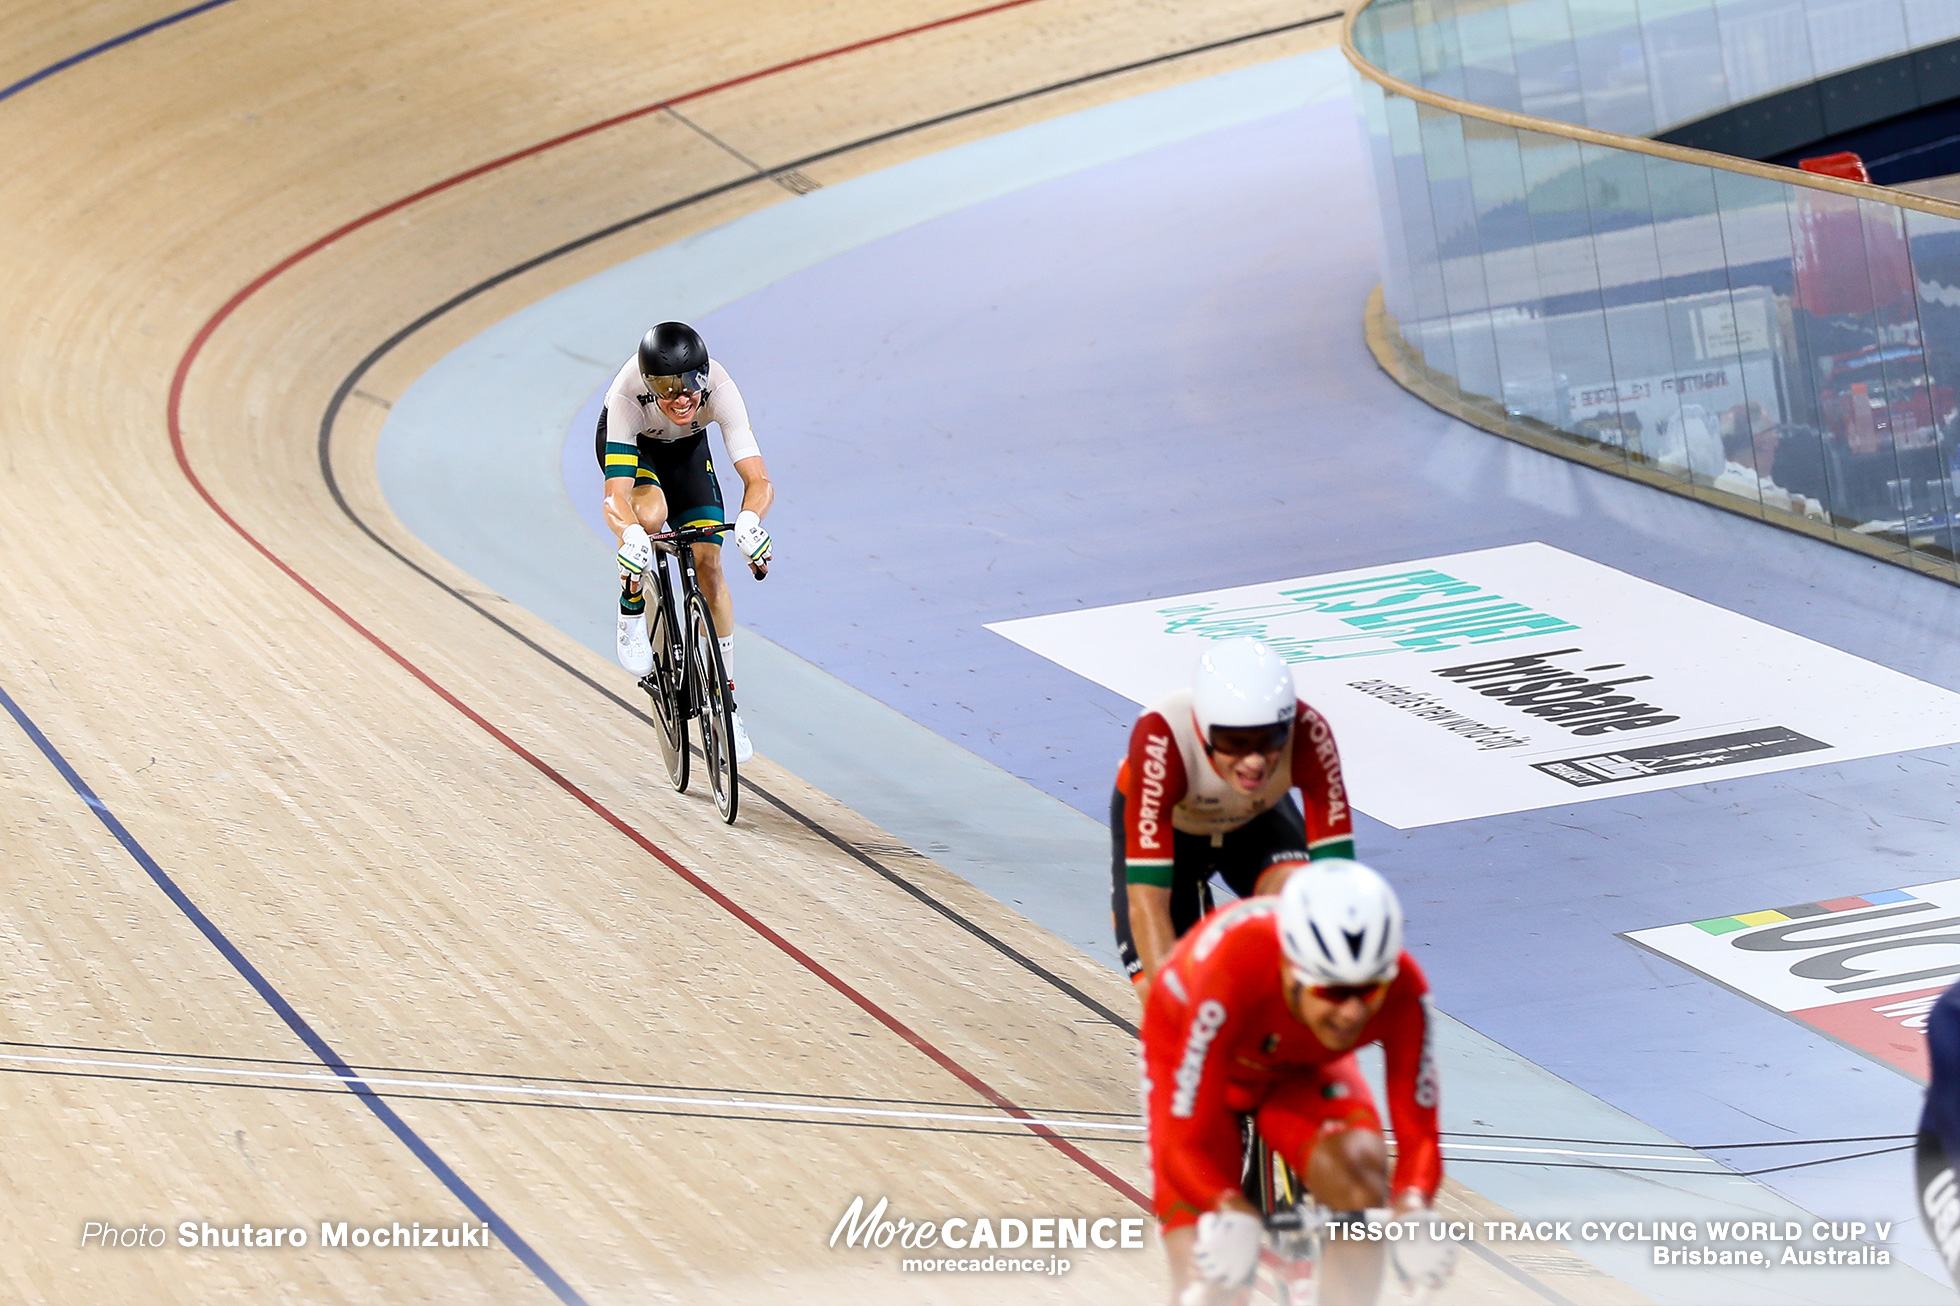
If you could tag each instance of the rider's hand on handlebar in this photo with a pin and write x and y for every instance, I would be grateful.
(753, 541)
(635, 550)
(1227, 1250)
(1422, 1261)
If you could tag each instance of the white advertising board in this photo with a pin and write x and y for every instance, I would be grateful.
(1516, 678)
(1864, 970)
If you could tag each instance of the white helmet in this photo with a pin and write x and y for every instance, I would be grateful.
(1340, 923)
(1242, 683)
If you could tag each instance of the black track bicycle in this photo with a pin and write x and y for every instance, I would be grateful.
(688, 681)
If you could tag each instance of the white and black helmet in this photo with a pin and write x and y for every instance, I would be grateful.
(1242, 684)
(1340, 923)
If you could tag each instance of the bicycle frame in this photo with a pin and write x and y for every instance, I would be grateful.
(672, 598)
(689, 682)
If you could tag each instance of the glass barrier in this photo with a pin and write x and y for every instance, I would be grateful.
(1785, 349)
(1637, 67)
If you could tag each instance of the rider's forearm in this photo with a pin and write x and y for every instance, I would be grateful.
(1150, 925)
(619, 511)
(758, 493)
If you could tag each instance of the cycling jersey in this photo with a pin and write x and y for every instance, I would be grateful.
(1939, 1132)
(681, 468)
(1171, 785)
(632, 415)
(1238, 857)
(1220, 1042)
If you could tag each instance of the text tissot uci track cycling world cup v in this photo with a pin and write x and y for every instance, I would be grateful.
(1519, 677)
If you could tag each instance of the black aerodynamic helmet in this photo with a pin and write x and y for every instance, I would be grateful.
(673, 358)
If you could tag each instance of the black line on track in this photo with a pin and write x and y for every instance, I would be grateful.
(1005, 1129)
(1524, 1277)
(1826, 1160)
(353, 378)
(1461, 1136)
(487, 1097)
(514, 1076)
(1008, 1127)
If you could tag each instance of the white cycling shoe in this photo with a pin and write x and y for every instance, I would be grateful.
(635, 653)
(744, 750)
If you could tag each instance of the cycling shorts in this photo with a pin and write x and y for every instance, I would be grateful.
(1238, 859)
(1295, 1115)
(681, 468)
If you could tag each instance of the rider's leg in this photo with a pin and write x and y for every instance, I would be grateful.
(642, 505)
(721, 608)
(650, 511)
(1328, 1130)
(650, 506)
(1210, 1143)
(714, 588)
(1349, 1172)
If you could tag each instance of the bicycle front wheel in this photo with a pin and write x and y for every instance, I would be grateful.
(666, 686)
(708, 685)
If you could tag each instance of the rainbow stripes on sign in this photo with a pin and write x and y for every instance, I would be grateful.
(1729, 924)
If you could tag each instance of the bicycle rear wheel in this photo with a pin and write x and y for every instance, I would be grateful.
(666, 684)
(708, 685)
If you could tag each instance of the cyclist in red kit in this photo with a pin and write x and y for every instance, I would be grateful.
(1257, 1013)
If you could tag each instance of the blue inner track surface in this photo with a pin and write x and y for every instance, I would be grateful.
(1148, 377)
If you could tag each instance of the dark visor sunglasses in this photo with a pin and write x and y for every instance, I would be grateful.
(1242, 741)
(673, 387)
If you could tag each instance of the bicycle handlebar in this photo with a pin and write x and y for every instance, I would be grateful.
(690, 534)
(672, 540)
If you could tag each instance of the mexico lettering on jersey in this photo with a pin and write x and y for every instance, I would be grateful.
(1169, 784)
(632, 414)
(1218, 1037)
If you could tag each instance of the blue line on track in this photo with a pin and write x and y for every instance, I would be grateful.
(294, 1021)
(105, 46)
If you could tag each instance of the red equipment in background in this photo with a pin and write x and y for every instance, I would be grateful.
(1844, 164)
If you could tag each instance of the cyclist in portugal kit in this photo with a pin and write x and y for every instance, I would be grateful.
(1206, 788)
(1257, 1012)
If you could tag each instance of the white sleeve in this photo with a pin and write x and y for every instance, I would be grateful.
(625, 419)
(727, 409)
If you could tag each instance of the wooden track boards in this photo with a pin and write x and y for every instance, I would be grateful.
(421, 831)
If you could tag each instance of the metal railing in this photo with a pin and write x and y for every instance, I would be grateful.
(1778, 343)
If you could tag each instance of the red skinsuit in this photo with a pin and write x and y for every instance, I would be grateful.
(1219, 1042)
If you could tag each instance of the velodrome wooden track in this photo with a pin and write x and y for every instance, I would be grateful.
(323, 817)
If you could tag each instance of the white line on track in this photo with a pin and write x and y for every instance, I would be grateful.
(573, 1094)
(480, 1088)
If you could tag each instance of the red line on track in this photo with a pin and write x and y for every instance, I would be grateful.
(809, 963)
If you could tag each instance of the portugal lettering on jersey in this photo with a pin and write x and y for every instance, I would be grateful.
(1150, 795)
(1169, 780)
